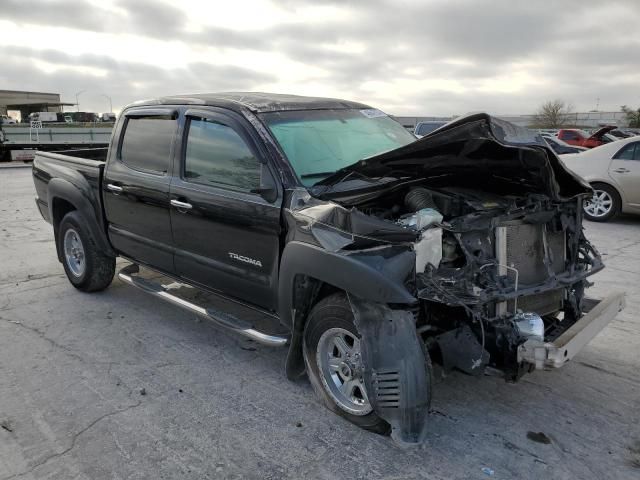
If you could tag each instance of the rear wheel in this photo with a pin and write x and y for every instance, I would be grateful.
(603, 205)
(87, 268)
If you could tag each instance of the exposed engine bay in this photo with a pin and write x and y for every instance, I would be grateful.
(495, 226)
(504, 268)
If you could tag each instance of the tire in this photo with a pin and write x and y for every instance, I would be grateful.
(329, 315)
(87, 268)
(604, 205)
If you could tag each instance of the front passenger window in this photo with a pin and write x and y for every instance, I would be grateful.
(217, 155)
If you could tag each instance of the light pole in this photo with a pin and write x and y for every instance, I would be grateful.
(110, 103)
(77, 102)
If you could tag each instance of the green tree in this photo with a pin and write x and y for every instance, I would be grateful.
(552, 114)
(632, 116)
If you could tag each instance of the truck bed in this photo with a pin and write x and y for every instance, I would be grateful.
(78, 171)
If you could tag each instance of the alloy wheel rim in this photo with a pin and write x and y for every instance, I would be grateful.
(341, 369)
(599, 205)
(74, 252)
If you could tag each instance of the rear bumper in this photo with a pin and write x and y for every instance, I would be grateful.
(548, 355)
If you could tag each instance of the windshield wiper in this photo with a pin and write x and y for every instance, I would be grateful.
(316, 174)
(345, 174)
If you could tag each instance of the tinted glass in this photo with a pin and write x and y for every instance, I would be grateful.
(216, 154)
(147, 143)
(425, 128)
(629, 152)
(570, 136)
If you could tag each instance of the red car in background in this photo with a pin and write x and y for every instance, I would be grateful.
(580, 138)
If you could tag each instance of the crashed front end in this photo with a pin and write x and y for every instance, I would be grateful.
(493, 222)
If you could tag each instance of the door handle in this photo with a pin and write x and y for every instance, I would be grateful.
(114, 188)
(622, 170)
(181, 205)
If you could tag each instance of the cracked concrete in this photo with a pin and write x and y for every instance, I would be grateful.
(72, 367)
(74, 439)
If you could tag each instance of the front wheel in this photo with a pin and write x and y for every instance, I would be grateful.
(87, 268)
(603, 205)
(334, 364)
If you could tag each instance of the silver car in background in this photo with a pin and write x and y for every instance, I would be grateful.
(613, 170)
(424, 128)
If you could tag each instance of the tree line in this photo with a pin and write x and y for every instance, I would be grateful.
(557, 113)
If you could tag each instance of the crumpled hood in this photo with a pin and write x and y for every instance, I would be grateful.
(482, 149)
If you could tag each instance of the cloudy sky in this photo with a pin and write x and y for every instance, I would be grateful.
(438, 57)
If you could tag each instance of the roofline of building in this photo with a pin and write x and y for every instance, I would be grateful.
(29, 93)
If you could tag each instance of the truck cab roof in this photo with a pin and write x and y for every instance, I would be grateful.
(257, 102)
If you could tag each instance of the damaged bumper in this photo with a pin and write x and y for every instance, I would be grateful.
(554, 354)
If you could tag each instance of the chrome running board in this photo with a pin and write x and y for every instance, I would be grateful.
(127, 275)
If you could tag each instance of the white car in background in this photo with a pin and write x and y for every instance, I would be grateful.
(7, 120)
(613, 170)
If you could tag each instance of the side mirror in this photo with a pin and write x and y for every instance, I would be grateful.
(268, 188)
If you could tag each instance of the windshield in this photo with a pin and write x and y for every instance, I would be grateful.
(320, 142)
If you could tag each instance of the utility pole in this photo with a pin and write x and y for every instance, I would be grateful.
(110, 103)
(77, 101)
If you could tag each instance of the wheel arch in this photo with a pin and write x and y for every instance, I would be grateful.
(309, 273)
(64, 197)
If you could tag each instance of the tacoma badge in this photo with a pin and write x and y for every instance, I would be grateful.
(235, 256)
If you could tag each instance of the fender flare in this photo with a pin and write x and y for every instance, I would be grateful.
(346, 272)
(83, 201)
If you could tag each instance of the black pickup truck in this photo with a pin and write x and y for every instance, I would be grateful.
(367, 252)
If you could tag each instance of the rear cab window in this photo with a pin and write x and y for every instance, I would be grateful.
(147, 143)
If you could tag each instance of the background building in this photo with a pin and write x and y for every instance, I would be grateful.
(29, 102)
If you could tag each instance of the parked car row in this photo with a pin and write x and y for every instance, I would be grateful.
(607, 158)
(7, 120)
(71, 117)
(581, 138)
(560, 146)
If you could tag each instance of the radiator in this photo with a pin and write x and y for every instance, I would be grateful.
(543, 303)
(520, 246)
